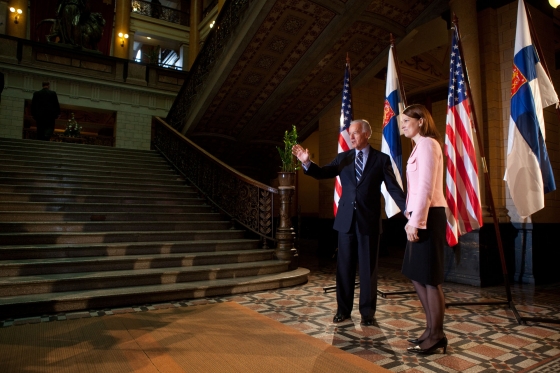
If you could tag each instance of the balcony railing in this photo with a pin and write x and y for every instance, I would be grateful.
(158, 11)
(228, 19)
(209, 8)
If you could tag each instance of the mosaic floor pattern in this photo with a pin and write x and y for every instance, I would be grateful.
(481, 338)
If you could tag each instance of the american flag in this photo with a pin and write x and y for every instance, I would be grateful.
(464, 212)
(346, 115)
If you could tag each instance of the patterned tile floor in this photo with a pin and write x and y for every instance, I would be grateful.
(481, 338)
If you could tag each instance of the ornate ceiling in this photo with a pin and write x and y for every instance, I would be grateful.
(291, 70)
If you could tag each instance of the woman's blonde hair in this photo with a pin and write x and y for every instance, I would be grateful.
(428, 129)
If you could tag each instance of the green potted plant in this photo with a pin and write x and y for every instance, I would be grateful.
(289, 166)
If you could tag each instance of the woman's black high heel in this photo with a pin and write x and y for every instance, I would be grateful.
(442, 343)
(415, 341)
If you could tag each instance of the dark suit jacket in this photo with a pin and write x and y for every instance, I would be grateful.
(44, 105)
(365, 196)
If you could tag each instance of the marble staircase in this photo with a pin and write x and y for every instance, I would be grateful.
(87, 227)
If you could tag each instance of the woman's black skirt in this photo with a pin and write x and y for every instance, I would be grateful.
(423, 260)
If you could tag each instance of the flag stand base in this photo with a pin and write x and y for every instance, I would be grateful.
(383, 294)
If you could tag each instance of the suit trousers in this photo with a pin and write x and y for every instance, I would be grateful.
(356, 248)
(45, 129)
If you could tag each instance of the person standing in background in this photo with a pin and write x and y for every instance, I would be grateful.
(45, 109)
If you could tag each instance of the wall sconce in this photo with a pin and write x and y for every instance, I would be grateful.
(18, 12)
(123, 36)
(214, 22)
(554, 3)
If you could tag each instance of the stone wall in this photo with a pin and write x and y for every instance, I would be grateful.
(134, 105)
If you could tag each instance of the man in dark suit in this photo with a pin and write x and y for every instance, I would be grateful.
(362, 170)
(45, 109)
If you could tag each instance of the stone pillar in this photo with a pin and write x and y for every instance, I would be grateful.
(184, 56)
(285, 233)
(122, 25)
(19, 29)
(131, 54)
(194, 40)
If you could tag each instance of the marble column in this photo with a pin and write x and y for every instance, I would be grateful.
(184, 56)
(131, 52)
(194, 39)
(122, 25)
(19, 29)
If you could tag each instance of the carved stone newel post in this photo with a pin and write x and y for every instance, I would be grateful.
(285, 232)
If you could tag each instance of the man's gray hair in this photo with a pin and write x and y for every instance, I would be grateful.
(365, 125)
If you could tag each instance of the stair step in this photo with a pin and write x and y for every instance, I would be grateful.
(169, 187)
(61, 198)
(108, 237)
(92, 164)
(89, 171)
(60, 146)
(42, 216)
(84, 177)
(74, 250)
(182, 192)
(196, 206)
(152, 160)
(33, 267)
(77, 152)
(102, 226)
(52, 283)
(51, 303)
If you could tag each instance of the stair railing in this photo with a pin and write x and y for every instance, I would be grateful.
(247, 201)
(228, 19)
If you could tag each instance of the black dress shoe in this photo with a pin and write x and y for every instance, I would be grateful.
(415, 341)
(366, 320)
(340, 317)
(442, 343)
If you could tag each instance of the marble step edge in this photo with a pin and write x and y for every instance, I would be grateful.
(42, 251)
(52, 303)
(185, 189)
(52, 216)
(55, 176)
(131, 257)
(110, 278)
(42, 144)
(101, 226)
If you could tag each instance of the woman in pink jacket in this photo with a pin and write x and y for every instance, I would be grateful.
(425, 230)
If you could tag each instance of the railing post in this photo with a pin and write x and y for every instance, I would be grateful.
(285, 232)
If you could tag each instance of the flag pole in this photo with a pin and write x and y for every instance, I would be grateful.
(384, 294)
(397, 66)
(489, 198)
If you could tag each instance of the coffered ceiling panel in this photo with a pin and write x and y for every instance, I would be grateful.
(292, 69)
